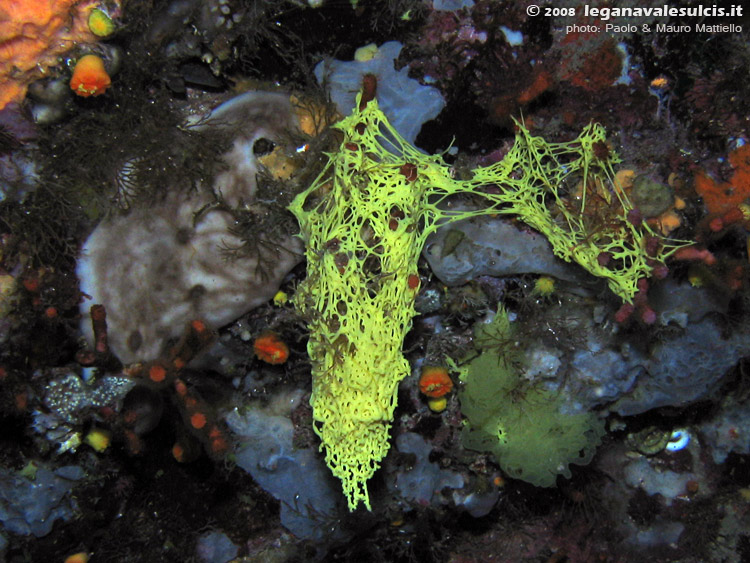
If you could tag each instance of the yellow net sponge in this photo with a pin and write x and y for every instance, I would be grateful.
(364, 221)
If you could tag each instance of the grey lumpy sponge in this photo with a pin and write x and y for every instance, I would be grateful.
(158, 267)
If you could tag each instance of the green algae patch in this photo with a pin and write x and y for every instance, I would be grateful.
(523, 424)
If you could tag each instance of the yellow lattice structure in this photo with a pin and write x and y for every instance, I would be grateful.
(364, 221)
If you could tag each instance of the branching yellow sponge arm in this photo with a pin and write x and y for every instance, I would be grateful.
(364, 221)
(360, 223)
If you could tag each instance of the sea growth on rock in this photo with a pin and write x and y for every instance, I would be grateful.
(364, 222)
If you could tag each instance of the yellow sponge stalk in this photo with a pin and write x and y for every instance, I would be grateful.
(364, 221)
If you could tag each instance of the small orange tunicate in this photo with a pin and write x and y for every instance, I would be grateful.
(22, 401)
(31, 284)
(692, 487)
(157, 373)
(270, 348)
(435, 381)
(178, 452)
(90, 78)
(219, 444)
(181, 388)
(81, 557)
(198, 420)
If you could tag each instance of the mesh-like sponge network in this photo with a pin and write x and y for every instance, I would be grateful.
(365, 220)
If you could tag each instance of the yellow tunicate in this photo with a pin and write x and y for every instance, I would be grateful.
(438, 405)
(695, 277)
(660, 82)
(98, 439)
(366, 53)
(669, 221)
(544, 286)
(100, 24)
(7, 294)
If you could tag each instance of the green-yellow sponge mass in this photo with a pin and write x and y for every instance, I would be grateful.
(364, 221)
(520, 422)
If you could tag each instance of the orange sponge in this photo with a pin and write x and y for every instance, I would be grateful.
(33, 34)
(721, 197)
